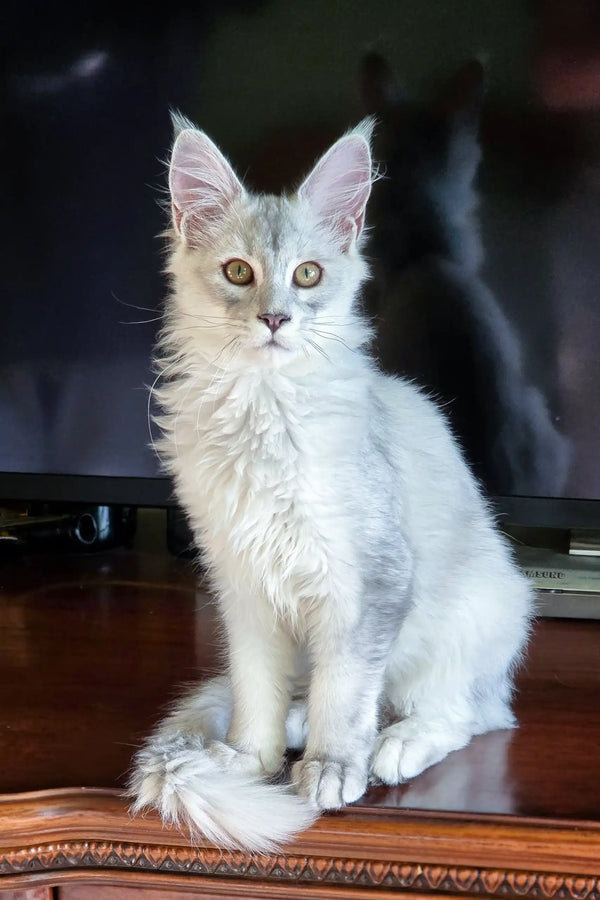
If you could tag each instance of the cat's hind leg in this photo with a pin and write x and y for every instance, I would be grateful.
(437, 712)
(408, 747)
(446, 684)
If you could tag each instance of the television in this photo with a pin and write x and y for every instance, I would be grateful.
(87, 91)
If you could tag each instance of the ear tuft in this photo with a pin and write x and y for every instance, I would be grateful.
(180, 123)
(201, 181)
(339, 186)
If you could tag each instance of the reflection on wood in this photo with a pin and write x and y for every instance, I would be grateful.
(94, 647)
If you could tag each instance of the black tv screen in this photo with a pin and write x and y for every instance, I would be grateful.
(484, 249)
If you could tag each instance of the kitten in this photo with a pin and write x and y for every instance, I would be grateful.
(354, 561)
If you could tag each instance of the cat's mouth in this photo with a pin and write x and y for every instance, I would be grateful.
(274, 343)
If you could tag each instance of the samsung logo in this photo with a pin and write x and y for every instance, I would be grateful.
(544, 573)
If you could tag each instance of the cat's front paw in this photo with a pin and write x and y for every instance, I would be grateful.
(329, 783)
(233, 760)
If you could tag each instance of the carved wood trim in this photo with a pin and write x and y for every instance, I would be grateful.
(471, 841)
(295, 870)
(85, 833)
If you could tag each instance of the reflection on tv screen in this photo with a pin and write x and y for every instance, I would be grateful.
(483, 231)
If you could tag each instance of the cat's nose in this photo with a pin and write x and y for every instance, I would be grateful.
(273, 320)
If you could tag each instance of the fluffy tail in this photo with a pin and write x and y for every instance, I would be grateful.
(176, 774)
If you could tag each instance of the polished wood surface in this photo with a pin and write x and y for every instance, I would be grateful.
(39, 893)
(93, 647)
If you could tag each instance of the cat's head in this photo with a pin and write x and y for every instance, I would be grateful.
(262, 279)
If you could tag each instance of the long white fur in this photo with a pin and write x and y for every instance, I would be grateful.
(192, 789)
(310, 478)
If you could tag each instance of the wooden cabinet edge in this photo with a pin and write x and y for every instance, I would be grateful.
(86, 831)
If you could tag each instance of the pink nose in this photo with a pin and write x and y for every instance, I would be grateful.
(273, 321)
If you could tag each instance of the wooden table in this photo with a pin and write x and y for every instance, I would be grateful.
(93, 647)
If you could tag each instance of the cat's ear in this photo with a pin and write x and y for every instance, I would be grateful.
(338, 187)
(202, 184)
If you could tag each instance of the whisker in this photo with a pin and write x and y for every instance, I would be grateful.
(349, 320)
(181, 328)
(160, 375)
(132, 305)
(333, 337)
(207, 394)
(222, 350)
(219, 372)
(181, 407)
(207, 317)
(204, 327)
(142, 321)
(334, 324)
(318, 349)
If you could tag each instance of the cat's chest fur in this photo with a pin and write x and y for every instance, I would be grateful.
(267, 453)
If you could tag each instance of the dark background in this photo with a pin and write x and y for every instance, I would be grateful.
(86, 90)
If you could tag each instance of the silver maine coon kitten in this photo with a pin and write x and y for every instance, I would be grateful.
(372, 612)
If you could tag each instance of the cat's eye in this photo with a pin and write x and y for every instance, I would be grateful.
(237, 271)
(307, 274)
